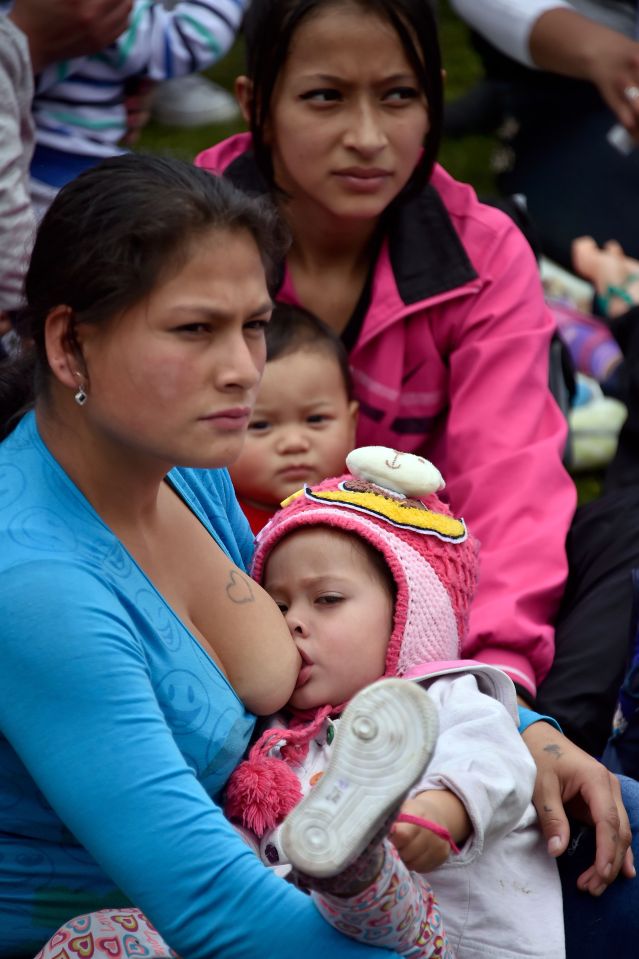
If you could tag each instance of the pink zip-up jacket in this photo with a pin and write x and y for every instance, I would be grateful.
(451, 362)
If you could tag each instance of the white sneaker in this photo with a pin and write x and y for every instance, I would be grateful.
(384, 741)
(193, 101)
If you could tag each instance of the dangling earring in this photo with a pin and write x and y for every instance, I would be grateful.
(81, 396)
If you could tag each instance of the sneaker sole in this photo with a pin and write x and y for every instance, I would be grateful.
(384, 741)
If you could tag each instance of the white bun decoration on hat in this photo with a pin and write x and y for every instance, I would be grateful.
(403, 473)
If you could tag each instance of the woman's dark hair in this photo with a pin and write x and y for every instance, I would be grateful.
(269, 27)
(109, 237)
(293, 328)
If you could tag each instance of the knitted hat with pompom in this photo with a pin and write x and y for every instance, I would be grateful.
(389, 499)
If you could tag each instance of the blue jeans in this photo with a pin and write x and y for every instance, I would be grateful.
(609, 925)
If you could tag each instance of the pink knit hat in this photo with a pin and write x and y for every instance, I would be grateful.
(389, 500)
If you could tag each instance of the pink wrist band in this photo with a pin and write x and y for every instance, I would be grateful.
(432, 826)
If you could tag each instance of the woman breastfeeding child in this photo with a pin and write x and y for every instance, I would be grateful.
(136, 651)
(375, 578)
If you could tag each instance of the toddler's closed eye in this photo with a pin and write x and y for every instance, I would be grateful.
(329, 599)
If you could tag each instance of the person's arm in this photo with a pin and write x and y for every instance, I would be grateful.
(505, 438)
(165, 43)
(565, 42)
(33, 34)
(506, 23)
(17, 221)
(263, 667)
(78, 704)
(582, 787)
(528, 716)
(493, 793)
(61, 29)
(551, 35)
(569, 781)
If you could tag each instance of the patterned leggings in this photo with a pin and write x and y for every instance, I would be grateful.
(397, 911)
(108, 934)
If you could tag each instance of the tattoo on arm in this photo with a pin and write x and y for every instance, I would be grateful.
(554, 750)
(238, 588)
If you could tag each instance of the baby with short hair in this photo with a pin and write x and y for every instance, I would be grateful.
(303, 423)
(375, 578)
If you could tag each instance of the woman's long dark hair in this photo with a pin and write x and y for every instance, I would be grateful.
(106, 241)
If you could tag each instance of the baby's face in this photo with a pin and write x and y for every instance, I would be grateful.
(338, 609)
(301, 430)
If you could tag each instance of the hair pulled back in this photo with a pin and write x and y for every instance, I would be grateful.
(109, 237)
(292, 328)
(270, 25)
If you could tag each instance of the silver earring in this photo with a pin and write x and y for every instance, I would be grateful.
(81, 397)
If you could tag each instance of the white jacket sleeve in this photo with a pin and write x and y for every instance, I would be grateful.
(480, 757)
(17, 221)
(506, 23)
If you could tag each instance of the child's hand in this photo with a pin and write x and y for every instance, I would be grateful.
(419, 848)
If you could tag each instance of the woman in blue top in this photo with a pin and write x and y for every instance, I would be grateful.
(133, 642)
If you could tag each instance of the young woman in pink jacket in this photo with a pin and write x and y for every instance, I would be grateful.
(436, 295)
(438, 300)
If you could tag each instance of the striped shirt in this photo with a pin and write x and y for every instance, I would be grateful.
(79, 104)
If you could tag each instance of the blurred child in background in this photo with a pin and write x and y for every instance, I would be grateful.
(303, 424)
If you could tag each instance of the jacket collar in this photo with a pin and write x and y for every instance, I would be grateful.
(422, 269)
